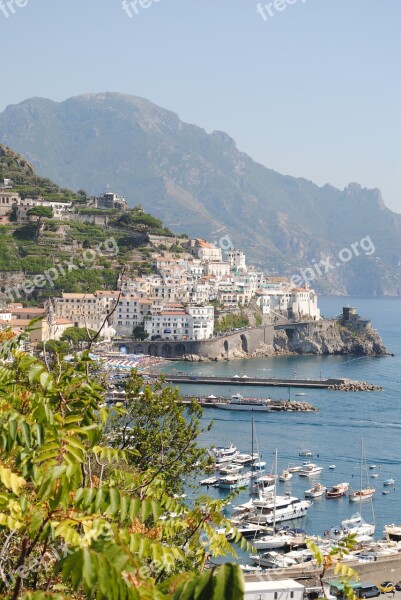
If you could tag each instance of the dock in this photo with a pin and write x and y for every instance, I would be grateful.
(255, 381)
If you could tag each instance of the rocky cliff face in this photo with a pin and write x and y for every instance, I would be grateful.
(330, 337)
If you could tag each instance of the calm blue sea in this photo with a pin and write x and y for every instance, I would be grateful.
(335, 431)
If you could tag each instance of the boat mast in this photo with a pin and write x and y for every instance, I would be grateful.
(275, 492)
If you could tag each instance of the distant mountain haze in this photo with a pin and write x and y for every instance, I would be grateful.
(199, 183)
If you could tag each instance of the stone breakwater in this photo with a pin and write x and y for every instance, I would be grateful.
(356, 386)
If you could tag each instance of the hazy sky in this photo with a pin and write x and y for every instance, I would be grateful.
(307, 87)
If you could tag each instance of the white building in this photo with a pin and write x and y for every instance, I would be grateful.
(24, 206)
(236, 258)
(179, 323)
(218, 269)
(205, 251)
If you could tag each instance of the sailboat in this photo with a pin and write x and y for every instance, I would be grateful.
(364, 493)
(259, 483)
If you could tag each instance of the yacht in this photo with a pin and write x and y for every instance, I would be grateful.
(310, 470)
(238, 402)
(245, 459)
(262, 484)
(230, 469)
(281, 539)
(275, 560)
(222, 454)
(275, 509)
(235, 481)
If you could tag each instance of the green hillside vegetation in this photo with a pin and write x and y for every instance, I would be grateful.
(28, 184)
(45, 243)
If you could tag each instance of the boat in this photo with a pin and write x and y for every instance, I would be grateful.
(337, 491)
(235, 481)
(222, 454)
(389, 482)
(275, 560)
(294, 469)
(245, 459)
(285, 475)
(372, 466)
(310, 470)
(375, 475)
(282, 539)
(276, 509)
(392, 532)
(332, 467)
(308, 453)
(247, 530)
(229, 469)
(209, 481)
(263, 484)
(258, 465)
(361, 495)
(385, 492)
(316, 491)
(301, 394)
(357, 526)
(364, 493)
(238, 402)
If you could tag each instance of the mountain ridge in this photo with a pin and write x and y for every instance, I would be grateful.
(199, 182)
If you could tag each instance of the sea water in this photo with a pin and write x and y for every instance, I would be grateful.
(333, 433)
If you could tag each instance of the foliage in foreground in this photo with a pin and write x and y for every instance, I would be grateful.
(78, 519)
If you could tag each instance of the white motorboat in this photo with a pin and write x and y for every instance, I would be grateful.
(247, 530)
(310, 470)
(224, 454)
(316, 491)
(238, 402)
(307, 453)
(265, 483)
(275, 560)
(258, 465)
(245, 459)
(235, 481)
(389, 482)
(230, 469)
(209, 481)
(281, 539)
(285, 475)
(276, 509)
(294, 468)
(332, 467)
(374, 475)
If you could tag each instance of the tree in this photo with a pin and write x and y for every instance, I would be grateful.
(139, 333)
(55, 347)
(42, 212)
(161, 431)
(78, 518)
(77, 337)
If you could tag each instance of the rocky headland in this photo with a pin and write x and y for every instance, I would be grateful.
(325, 337)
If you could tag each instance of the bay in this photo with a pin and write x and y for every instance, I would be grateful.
(334, 432)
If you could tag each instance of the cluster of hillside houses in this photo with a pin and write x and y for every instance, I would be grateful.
(176, 301)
